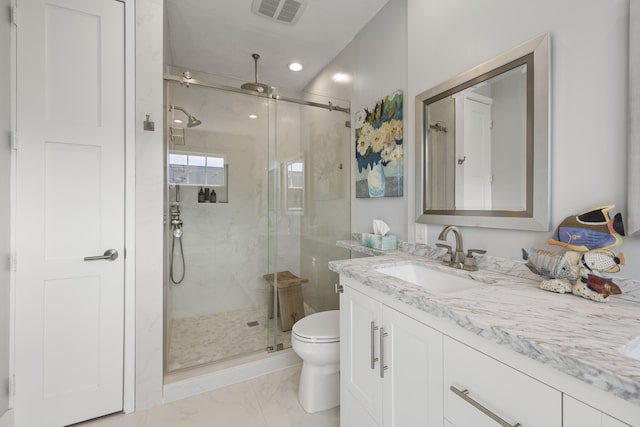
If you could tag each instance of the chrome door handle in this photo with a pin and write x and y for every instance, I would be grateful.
(109, 255)
(464, 394)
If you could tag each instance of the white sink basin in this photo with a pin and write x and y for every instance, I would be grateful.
(425, 277)
(632, 349)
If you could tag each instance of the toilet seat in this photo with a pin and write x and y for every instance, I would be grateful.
(322, 327)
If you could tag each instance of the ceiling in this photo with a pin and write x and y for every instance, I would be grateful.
(219, 36)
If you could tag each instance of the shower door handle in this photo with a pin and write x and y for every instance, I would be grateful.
(109, 255)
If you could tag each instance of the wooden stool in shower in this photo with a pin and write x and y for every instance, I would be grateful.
(290, 304)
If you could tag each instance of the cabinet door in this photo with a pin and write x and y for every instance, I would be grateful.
(352, 413)
(412, 384)
(578, 414)
(360, 318)
(504, 392)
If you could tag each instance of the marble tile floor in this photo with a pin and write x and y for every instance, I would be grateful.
(267, 401)
(199, 340)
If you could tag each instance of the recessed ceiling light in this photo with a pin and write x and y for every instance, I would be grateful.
(177, 121)
(295, 66)
(253, 116)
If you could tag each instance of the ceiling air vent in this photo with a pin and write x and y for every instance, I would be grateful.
(285, 11)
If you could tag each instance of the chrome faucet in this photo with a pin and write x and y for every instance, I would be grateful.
(457, 259)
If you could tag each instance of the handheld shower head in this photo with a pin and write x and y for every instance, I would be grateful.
(193, 122)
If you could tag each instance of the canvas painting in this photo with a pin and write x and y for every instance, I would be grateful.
(379, 152)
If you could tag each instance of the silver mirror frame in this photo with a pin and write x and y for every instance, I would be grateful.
(540, 217)
(633, 173)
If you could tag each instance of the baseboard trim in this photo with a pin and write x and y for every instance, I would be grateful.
(6, 419)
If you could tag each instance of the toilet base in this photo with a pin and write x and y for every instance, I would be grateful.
(319, 388)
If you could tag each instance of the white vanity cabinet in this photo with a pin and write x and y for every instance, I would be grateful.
(439, 374)
(479, 390)
(391, 366)
(578, 414)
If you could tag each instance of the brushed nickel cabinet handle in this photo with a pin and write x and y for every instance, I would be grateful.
(464, 394)
(374, 359)
(383, 367)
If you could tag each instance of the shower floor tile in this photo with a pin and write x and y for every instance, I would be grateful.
(200, 340)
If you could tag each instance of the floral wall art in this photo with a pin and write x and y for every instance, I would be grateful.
(379, 153)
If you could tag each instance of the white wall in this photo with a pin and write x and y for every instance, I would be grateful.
(5, 179)
(380, 68)
(588, 94)
(149, 199)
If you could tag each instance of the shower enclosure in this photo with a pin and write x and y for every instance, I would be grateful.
(257, 191)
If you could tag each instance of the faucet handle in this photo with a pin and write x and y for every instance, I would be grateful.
(470, 252)
(448, 257)
(470, 261)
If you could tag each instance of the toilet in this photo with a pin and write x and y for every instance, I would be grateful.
(316, 339)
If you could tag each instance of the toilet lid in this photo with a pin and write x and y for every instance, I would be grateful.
(319, 327)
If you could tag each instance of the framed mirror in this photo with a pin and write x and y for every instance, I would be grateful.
(482, 144)
(633, 157)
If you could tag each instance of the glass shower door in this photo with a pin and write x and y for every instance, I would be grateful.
(313, 153)
(219, 231)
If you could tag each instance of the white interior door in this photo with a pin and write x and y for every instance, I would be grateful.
(70, 205)
(478, 174)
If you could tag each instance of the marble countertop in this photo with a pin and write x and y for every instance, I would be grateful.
(579, 337)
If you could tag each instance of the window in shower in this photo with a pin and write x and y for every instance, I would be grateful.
(196, 169)
(294, 185)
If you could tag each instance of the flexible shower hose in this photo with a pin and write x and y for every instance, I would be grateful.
(173, 243)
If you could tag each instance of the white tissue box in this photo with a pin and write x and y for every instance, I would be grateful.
(377, 241)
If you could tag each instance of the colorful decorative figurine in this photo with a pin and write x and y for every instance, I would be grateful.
(602, 260)
(575, 272)
(586, 237)
(549, 264)
(601, 285)
(592, 229)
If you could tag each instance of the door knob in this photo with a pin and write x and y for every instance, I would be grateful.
(109, 255)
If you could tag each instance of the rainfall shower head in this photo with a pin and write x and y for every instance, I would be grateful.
(193, 122)
(256, 87)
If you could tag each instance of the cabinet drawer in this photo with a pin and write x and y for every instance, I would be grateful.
(503, 391)
(578, 414)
